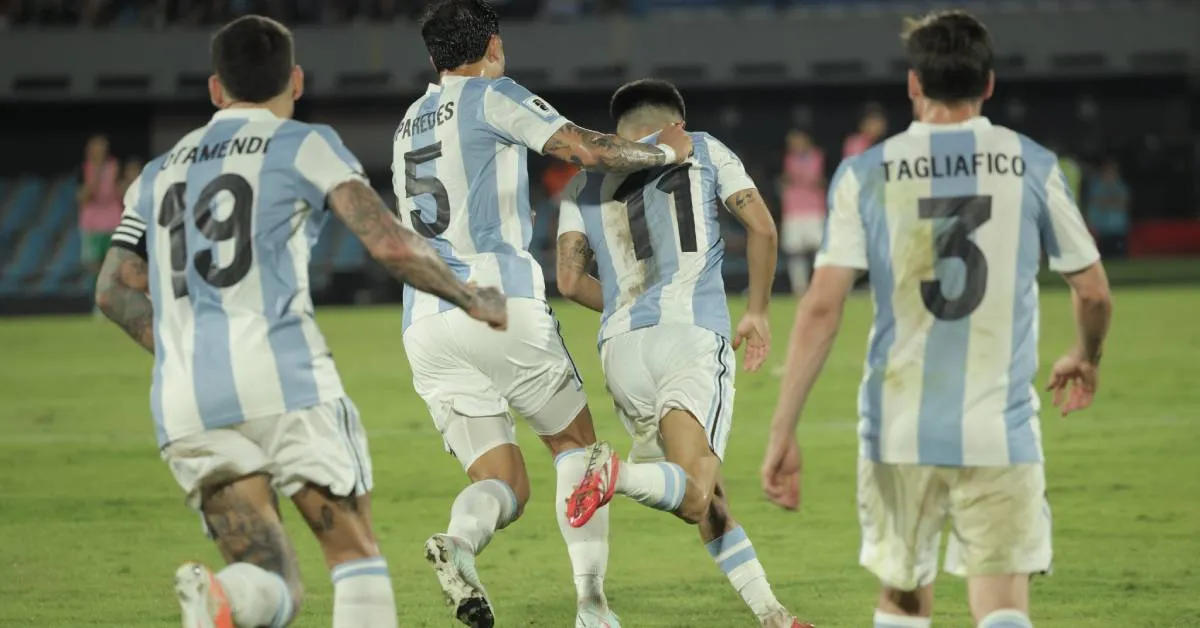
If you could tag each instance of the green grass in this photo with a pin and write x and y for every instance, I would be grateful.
(92, 525)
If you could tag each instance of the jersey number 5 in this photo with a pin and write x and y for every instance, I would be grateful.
(416, 186)
(237, 227)
(966, 214)
(678, 183)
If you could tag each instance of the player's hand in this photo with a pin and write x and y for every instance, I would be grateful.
(781, 471)
(1074, 382)
(679, 141)
(754, 330)
(490, 306)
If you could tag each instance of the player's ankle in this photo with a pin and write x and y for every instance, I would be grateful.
(1006, 618)
(884, 619)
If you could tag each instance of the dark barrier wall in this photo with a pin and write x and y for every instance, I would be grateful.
(1149, 124)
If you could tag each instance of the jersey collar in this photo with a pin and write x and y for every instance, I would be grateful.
(447, 79)
(973, 124)
(244, 113)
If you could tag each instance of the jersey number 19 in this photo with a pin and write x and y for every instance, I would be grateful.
(237, 227)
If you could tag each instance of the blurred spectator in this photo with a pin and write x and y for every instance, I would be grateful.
(1072, 171)
(870, 130)
(129, 173)
(803, 195)
(1108, 209)
(544, 240)
(99, 201)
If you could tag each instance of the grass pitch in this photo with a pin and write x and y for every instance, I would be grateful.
(92, 525)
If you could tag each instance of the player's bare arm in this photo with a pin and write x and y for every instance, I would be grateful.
(817, 321)
(600, 151)
(574, 281)
(121, 295)
(762, 245)
(407, 256)
(1075, 376)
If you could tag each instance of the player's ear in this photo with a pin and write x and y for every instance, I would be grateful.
(991, 85)
(297, 83)
(914, 86)
(216, 93)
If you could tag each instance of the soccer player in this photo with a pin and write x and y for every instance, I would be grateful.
(209, 272)
(664, 334)
(460, 174)
(950, 218)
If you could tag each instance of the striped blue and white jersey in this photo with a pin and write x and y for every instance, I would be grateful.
(657, 238)
(951, 222)
(225, 221)
(461, 179)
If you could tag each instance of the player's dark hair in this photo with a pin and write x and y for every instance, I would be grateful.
(253, 58)
(951, 52)
(457, 32)
(645, 92)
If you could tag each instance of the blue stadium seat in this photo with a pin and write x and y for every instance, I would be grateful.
(60, 276)
(26, 198)
(36, 250)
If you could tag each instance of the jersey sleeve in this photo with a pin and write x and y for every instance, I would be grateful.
(731, 174)
(845, 242)
(1065, 237)
(518, 116)
(570, 218)
(324, 162)
(131, 233)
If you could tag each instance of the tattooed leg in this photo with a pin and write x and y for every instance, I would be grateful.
(341, 524)
(262, 581)
(362, 588)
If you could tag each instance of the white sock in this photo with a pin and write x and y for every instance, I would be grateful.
(480, 510)
(1006, 618)
(362, 594)
(256, 596)
(659, 485)
(588, 546)
(735, 555)
(888, 620)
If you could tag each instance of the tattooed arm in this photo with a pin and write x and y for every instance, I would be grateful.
(574, 282)
(762, 244)
(610, 153)
(407, 256)
(121, 295)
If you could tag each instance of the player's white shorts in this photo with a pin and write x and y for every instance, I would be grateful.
(802, 234)
(652, 370)
(999, 516)
(323, 445)
(470, 376)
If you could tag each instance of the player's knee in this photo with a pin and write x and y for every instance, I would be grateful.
(696, 502)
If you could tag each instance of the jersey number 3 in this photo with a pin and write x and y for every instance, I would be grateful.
(237, 227)
(966, 214)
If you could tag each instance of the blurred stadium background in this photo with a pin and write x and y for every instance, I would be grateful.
(1113, 85)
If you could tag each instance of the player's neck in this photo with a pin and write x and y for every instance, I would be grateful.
(280, 109)
(469, 70)
(933, 112)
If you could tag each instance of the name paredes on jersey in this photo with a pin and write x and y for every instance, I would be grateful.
(953, 166)
(426, 121)
(216, 150)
